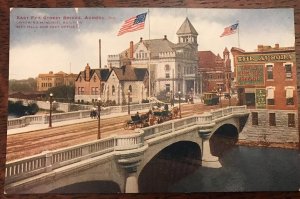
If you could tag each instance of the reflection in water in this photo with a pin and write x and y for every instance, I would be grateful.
(247, 169)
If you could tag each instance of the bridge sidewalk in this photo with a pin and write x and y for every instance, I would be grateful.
(35, 127)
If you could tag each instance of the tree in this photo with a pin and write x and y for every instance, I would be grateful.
(26, 85)
(18, 109)
(62, 93)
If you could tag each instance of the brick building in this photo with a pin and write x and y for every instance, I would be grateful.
(215, 71)
(267, 83)
(49, 80)
(112, 84)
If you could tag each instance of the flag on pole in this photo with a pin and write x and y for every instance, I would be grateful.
(133, 24)
(230, 30)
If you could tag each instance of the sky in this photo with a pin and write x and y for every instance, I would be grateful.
(68, 44)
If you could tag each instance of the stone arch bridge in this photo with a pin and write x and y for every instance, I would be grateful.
(118, 159)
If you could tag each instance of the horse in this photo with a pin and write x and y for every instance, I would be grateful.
(175, 112)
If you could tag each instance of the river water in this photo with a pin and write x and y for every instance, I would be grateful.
(246, 169)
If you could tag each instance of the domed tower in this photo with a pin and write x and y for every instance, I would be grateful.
(187, 34)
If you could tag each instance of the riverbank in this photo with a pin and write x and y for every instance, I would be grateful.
(287, 145)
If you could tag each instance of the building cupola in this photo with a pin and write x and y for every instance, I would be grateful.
(187, 33)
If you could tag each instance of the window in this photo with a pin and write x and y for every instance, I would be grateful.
(272, 119)
(168, 88)
(130, 88)
(270, 96)
(167, 67)
(288, 71)
(289, 96)
(167, 75)
(291, 120)
(93, 91)
(254, 118)
(95, 78)
(269, 71)
(113, 90)
(82, 90)
(78, 91)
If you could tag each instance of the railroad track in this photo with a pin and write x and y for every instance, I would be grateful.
(35, 142)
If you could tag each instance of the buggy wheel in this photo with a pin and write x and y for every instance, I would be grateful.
(126, 126)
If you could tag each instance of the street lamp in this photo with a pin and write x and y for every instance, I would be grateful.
(220, 97)
(179, 95)
(99, 109)
(50, 111)
(128, 102)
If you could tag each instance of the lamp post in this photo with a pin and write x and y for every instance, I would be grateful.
(220, 97)
(99, 109)
(50, 111)
(179, 95)
(128, 102)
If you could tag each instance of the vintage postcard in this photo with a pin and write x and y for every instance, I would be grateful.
(148, 100)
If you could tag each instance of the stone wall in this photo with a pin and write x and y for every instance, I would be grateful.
(266, 133)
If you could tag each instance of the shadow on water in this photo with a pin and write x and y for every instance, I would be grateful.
(169, 166)
(90, 187)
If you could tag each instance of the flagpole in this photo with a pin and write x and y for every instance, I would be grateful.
(149, 55)
(238, 33)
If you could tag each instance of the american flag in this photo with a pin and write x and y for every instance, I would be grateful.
(230, 30)
(133, 24)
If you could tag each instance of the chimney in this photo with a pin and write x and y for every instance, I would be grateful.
(131, 50)
(87, 72)
(123, 69)
(276, 46)
(165, 37)
(141, 39)
(260, 48)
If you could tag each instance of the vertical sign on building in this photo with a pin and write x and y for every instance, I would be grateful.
(260, 98)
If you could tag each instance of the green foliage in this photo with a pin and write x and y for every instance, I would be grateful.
(62, 93)
(28, 85)
(18, 109)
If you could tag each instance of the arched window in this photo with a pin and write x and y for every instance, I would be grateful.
(113, 90)
(130, 88)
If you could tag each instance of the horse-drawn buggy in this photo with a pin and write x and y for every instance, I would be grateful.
(154, 116)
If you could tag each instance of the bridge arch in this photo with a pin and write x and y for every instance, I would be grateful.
(169, 165)
(228, 124)
(158, 145)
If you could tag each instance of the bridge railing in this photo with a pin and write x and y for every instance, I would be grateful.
(227, 111)
(47, 161)
(42, 119)
(127, 142)
(25, 168)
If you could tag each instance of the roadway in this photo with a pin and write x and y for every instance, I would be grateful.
(34, 142)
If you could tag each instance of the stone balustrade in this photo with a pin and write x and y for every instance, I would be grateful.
(47, 161)
(57, 117)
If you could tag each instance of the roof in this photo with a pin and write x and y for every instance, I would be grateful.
(128, 73)
(208, 60)
(155, 46)
(186, 28)
(104, 73)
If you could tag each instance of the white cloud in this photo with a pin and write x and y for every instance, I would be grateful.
(78, 49)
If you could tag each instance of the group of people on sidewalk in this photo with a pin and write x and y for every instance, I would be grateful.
(94, 114)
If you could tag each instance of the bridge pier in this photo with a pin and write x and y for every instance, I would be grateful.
(131, 185)
(208, 160)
